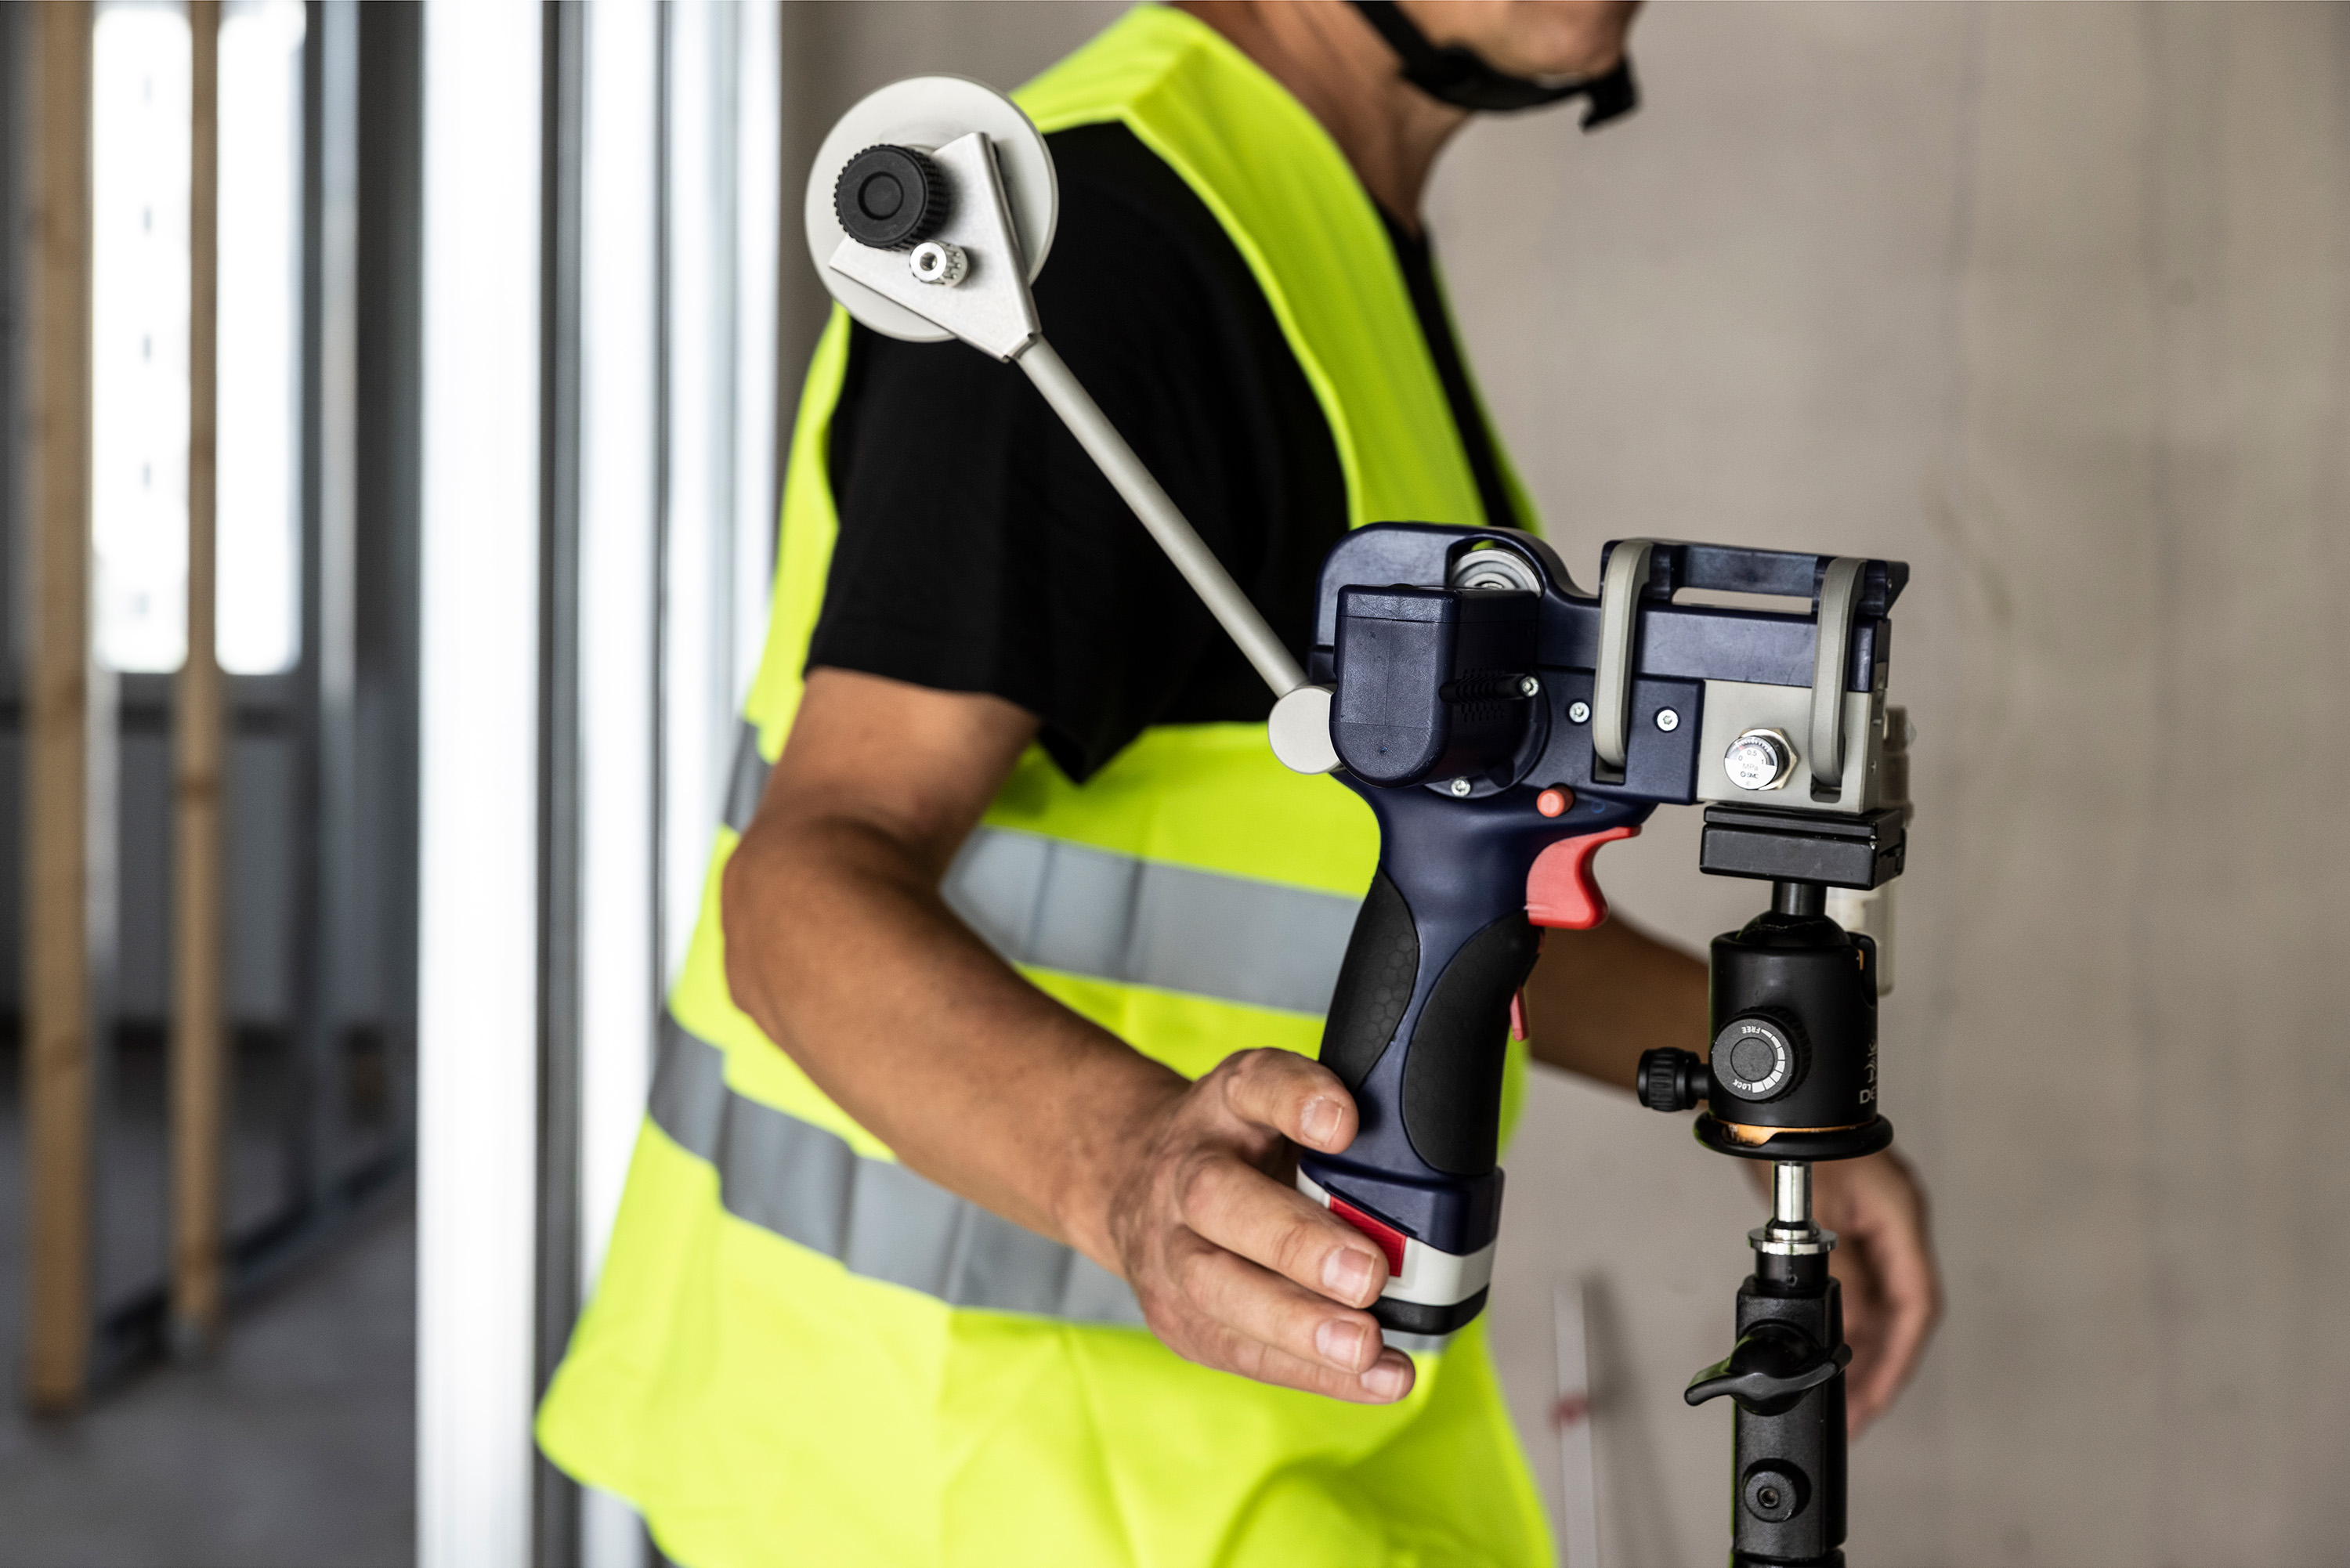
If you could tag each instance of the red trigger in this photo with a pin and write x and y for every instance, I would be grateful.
(1560, 889)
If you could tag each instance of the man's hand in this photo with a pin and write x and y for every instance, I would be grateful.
(839, 944)
(1892, 1296)
(1236, 1269)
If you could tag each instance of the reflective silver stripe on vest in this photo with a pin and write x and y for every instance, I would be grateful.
(1063, 905)
(875, 1218)
(746, 780)
(1081, 911)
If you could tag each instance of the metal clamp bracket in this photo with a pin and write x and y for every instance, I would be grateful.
(1620, 586)
(991, 308)
(1839, 598)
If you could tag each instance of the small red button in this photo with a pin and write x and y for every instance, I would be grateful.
(1389, 1238)
(1553, 802)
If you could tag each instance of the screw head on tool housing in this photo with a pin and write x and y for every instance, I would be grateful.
(890, 198)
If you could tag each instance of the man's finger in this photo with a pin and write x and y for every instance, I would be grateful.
(1301, 1100)
(1262, 1306)
(1390, 1377)
(1239, 1208)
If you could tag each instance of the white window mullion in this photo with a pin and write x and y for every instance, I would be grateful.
(696, 635)
(619, 965)
(619, 970)
(477, 1023)
(758, 183)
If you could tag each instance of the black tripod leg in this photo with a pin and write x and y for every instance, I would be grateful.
(1787, 1378)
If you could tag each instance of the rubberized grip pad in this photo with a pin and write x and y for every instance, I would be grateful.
(1452, 1076)
(1374, 984)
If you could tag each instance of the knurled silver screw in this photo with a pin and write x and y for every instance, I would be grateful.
(934, 260)
(1528, 685)
(1578, 712)
(1462, 787)
(1668, 721)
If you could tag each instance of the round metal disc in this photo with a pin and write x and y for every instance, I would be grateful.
(925, 113)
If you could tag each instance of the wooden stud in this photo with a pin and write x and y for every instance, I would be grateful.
(199, 1077)
(57, 1005)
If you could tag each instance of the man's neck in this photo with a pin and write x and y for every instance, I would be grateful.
(1333, 62)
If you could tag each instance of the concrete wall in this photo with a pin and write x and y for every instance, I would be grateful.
(2053, 302)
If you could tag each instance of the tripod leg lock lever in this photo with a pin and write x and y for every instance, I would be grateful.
(1774, 1365)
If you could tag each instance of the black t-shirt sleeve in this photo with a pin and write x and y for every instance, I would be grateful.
(980, 550)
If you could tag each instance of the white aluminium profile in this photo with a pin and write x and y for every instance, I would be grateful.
(619, 970)
(758, 228)
(619, 544)
(697, 543)
(477, 1015)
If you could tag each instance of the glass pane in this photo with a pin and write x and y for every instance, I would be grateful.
(139, 368)
(259, 598)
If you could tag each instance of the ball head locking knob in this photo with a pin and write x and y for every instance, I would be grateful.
(1671, 1080)
(1759, 1057)
(890, 198)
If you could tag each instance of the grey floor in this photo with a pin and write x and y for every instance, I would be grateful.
(294, 1445)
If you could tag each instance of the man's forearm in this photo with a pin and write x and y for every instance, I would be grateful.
(1599, 998)
(840, 947)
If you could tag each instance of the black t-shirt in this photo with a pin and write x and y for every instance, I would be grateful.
(980, 549)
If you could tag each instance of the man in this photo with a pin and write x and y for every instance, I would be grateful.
(996, 1040)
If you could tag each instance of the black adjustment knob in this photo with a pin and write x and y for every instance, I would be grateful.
(891, 198)
(1671, 1080)
(1774, 1365)
(1759, 1057)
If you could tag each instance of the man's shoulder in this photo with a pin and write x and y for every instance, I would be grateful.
(1107, 172)
(1138, 243)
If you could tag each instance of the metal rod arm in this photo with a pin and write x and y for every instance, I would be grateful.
(1159, 514)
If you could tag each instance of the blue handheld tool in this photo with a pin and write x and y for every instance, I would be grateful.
(1503, 724)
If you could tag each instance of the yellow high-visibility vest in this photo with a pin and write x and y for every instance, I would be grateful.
(800, 1352)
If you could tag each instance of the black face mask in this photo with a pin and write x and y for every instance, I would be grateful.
(1459, 76)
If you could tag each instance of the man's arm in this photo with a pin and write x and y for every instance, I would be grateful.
(1599, 998)
(838, 945)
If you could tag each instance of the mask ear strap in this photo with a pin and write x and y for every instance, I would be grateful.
(1610, 96)
(1458, 75)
